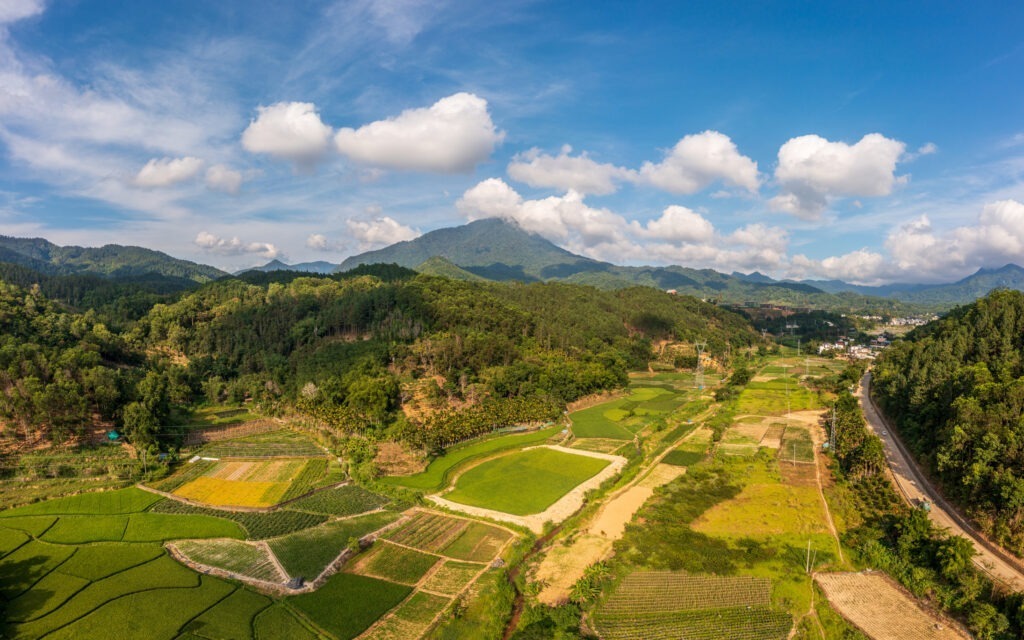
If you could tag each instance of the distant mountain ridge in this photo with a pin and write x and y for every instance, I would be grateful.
(320, 266)
(497, 249)
(110, 260)
(964, 291)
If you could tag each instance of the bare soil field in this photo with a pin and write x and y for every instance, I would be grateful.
(882, 610)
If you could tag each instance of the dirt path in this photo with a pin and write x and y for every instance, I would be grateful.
(817, 437)
(564, 564)
(914, 487)
(567, 505)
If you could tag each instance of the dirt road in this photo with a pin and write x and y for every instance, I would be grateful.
(914, 487)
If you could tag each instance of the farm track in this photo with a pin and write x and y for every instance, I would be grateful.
(596, 542)
(914, 486)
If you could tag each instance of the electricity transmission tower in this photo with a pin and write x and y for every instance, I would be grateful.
(698, 378)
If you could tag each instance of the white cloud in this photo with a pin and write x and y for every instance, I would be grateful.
(317, 242)
(165, 172)
(697, 161)
(917, 252)
(492, 198)
(233, 246)
(14, 10)
(813, 171)
(452, 135)
(289, 130)
(678, 224)
(379, 232)
(221, 178)
(563, 218)
(565, 172)
(678, 236)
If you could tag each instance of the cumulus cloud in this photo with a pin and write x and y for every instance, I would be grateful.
(165, 172)
(677, 224)
(378, 232)
(453, 135)
(221, 178)
(288, 130)
(812, 171)
(697, 161)
(233, 246)
(14, 10)
(561, 218)
(564, 172)
(917, 252)
(678, 236)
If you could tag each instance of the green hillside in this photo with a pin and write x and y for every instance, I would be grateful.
(110, 260)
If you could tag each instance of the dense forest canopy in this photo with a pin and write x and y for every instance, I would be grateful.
(351, 349)
(956, 389)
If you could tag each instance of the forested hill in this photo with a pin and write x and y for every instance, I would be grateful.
(355, 347)
(110, 260)
(59, 371)
(380, 349)
(956, 390)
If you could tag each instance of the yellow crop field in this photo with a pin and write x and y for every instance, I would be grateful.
(248, 483)
(236, 493)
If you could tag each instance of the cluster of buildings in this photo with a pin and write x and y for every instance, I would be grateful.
(846, 347)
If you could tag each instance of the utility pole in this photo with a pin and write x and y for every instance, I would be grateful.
(832, 436)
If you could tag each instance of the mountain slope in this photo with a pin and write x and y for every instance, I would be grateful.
(492, 248)
(110, 260)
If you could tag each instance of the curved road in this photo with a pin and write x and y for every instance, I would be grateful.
(912, 484)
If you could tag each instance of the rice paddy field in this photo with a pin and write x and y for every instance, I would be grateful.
(440, 470)
(525, 482)
(95, 567)
(622, 419)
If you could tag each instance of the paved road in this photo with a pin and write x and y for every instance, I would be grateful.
(914, 487)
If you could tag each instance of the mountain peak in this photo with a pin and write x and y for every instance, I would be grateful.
(492, 248)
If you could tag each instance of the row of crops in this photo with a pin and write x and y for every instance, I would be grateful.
(665, 604)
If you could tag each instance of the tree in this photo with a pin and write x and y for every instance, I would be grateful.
(140, 425)
(954, 555)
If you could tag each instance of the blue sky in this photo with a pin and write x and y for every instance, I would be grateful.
(872, 142)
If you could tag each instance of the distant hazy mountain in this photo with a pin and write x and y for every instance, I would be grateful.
(951, 294)
(319, 266)
(111, 260)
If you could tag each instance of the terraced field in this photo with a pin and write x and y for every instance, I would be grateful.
(60, 578)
